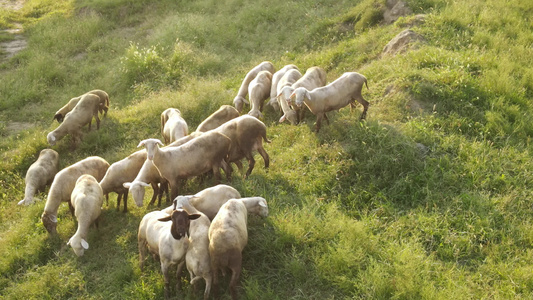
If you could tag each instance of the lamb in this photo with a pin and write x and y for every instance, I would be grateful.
(104, 104)
(193, 158)
(334, 96)
(197, 257)
(240, 99)
(219, 117)
(81, 115)
(209, 200)
(122, 171)
(228, 235)
(313, 78)
(173, 126)
(64, 183)
(165, 239)
(258, 90)
(149, 175)
(40, 174)
(86, 199)
(247, 134)
(274, 89)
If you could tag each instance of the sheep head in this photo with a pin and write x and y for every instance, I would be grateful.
(150, 145)
(136, 189)
(78, 244)
(180, 222)
(49, 222)
(51, 138)
(298, 96)
(238, 102)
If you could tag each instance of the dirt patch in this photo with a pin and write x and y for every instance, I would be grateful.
(15, 127)
(18, 43)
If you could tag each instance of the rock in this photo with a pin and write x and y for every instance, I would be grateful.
(401, 42)
(394, 10)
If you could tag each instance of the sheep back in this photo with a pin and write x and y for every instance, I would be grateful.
(40, 174)
(219, 117)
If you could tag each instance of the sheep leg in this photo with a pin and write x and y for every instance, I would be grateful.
(174, 189)
(97, 121)
(178, 275)
(164, 269)
(119, 196)
(142, 253)
(227, 170)
(265, 156)
(319, 121)
(71, 208)
(235, 263)
(107, 199)
(251, 163)
(208, 283)
(238, 163)
(155, 187)
(216, 172)
(365, 104)
(125, 199)
(164, 187)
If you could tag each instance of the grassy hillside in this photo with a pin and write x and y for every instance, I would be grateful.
(430, 198)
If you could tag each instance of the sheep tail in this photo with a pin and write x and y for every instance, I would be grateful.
(366, 84)
(266, 139)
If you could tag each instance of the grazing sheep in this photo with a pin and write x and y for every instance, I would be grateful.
(219, 117)
(104, 104)
(209, 200)
(274, 89)
(64, 183)
(287, 80)
(86, 199)
(228, 235)
(40, 174)
(334, 96)
(247, 134)
(313, 78)
(173, 126)
(258, 90)
(165, 239)
(197, 258)
(149, 175)
(81, 115)
(193, 158)
(122, 171)
(240, 99)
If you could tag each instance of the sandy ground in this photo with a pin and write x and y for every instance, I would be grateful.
(12, 47)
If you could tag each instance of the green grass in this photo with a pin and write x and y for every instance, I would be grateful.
(430, 198)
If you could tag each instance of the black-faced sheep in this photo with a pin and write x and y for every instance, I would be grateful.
(104, 104)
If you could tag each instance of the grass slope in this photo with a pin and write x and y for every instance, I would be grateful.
(430, 198)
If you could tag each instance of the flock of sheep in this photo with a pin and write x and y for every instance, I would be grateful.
(205, 232)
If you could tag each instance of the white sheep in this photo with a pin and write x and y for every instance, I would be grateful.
(193, 158)
(240, 99)
(104, 104)
(290, 77)
(274, 88)
(149, 176)
(219, 117)
(334, 96)
(165, 239)
(86, 200)
(173, 126)
(228, 235)
(207, 201)
(64, 183)
(81, 115)
(197, 258)
(247, 134)
(122, 171)
(259, 91)
(313, 78)
(40, 174)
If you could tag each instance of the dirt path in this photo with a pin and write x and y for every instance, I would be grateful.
(10, 48)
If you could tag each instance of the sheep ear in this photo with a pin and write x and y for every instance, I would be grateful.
(263, 204)
(292, 95)
(144, 183)
(194, 216)
(84, 244)
(160, 143)
(282, 118)
(69, 242)
(53, 219)
(165, 219)
(126, 185)
(21, 201)
(141, 143)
